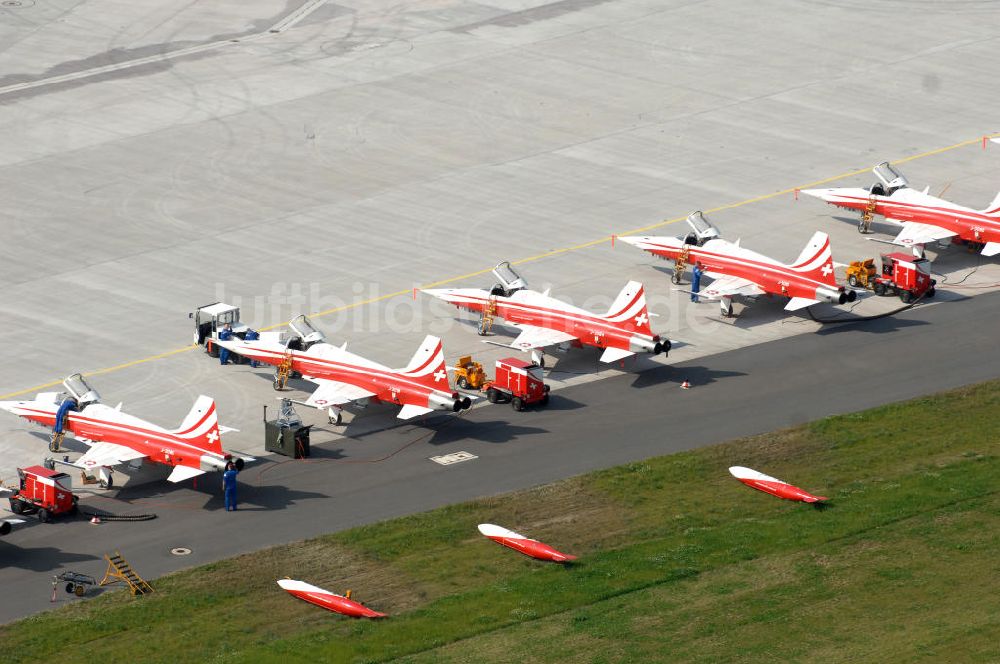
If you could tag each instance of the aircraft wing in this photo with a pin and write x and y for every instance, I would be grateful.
(615, 354)
(539, 337)
(334, 393)
(409, 411)
(729, 286)
(916, 233)
(107, 454)
(796, 303)
(181, 473)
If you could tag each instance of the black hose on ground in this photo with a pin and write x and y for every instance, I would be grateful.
(860, 319)
(106, 516)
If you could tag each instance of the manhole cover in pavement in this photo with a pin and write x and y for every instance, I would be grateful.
(180, 551)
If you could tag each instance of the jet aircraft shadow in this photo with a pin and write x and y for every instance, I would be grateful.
(878, 227)
(884, 325)
(292, 385)
(68, 444)
(696, 375)
(37, 559)
(207, 493)
(491, 431)
(557, 402)
(260, 498)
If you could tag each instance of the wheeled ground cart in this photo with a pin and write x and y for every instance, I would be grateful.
(76, 583)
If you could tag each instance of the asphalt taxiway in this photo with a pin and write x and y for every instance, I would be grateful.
(625, 418)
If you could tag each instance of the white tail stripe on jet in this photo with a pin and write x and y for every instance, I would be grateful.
(427, 366)
(201, 426)
(816, 260)
(630, 308)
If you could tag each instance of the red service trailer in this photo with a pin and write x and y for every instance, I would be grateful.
(522, 383)
(45, 492)
(905, 275)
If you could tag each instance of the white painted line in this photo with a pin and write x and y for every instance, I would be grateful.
(454, 457)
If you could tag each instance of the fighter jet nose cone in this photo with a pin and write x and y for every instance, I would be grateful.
(821, 194)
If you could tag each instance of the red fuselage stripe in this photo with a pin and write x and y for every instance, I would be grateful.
(126, 435)
(769, 277)
(584, 327)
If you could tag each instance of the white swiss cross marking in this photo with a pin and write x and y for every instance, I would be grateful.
(641, 319)
(212, 437)
(440, 375)
(826, 270)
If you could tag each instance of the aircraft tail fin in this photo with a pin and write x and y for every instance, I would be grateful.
(201, 426)
(629, 308)
(427, 365)
(816, 260)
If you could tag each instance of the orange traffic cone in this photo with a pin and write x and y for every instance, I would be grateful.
(685, 385)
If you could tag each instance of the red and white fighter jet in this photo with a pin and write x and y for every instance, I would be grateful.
(545, 321)
(738, 271)
(115, 437)
(343, 377)
(924, 218)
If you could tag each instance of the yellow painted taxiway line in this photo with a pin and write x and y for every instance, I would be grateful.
(528, 259)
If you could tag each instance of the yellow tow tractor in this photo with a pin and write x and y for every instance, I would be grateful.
(469, 375)
(861, 274)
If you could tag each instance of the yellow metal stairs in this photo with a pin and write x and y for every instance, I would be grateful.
(120, 570)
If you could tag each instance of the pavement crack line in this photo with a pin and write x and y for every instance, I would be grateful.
(286, 22)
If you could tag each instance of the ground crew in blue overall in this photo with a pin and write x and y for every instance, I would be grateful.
(695, 281)
(252, 335)
(229, 486)
(225, 334)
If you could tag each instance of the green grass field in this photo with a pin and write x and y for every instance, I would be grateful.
(678, 562)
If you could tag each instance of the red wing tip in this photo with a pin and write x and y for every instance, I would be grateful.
(567, 557)
(816, 499)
